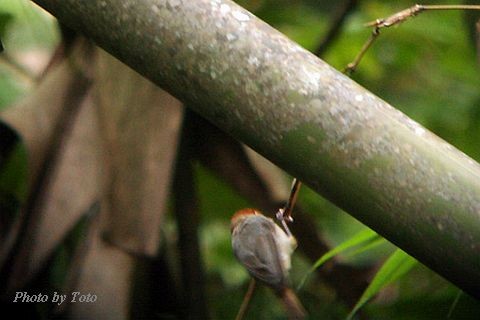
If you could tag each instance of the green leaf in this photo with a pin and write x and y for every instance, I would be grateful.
(397, 265)
(366, 238)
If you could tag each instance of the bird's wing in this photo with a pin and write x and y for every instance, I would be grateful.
(260, 252)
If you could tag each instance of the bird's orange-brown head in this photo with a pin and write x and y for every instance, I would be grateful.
(240, 215)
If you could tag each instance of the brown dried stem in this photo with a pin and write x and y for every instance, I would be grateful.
(246, 300)
(352, 66)
(403, 15)
(395, 19)
(284, 214)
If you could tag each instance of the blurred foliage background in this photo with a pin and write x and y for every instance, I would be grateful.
(427, 67)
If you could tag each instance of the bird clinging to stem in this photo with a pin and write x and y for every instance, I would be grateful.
(264, 249)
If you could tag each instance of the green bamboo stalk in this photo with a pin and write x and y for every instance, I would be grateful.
(338, 138)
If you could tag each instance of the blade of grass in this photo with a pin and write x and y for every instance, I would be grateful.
(365, 247)
(364, 237)
(397, 265)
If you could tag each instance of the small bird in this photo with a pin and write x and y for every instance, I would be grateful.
(265, 249)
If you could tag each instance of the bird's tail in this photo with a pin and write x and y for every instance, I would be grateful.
(292, 305)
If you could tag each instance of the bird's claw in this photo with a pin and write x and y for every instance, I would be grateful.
(282, 216)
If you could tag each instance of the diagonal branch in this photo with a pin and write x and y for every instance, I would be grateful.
(347, 144)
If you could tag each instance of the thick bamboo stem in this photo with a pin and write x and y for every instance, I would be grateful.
(335, 136)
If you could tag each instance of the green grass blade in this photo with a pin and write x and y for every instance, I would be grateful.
(397, 265)
(364, 237)
(365, 247)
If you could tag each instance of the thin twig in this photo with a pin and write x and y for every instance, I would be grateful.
(285, 214)
(451, 7)
(352, 66)
(336, 25)
(403, 15)
(246, 300)
(296, 184)
(395, 19)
